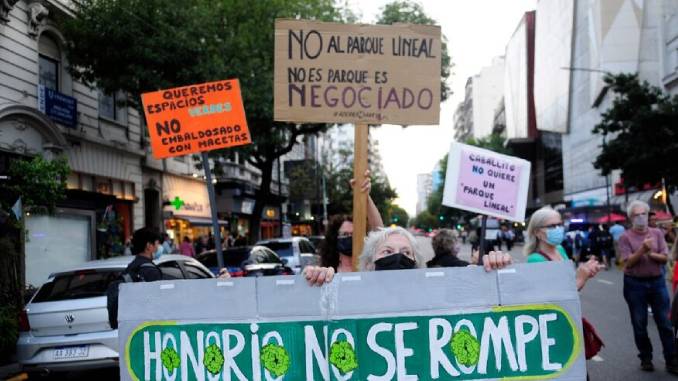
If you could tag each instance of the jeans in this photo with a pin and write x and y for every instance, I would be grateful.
(639, 293)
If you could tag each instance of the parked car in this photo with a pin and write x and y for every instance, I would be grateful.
(264, 262)
(316, 240)
(65, 325)
(233, 259)
(296, 252)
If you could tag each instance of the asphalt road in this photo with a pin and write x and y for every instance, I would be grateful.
(602, 304)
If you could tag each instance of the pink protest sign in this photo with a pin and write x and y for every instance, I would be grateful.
(483, 181)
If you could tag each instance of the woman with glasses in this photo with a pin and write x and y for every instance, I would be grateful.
(545, 233)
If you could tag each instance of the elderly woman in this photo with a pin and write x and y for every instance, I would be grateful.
(545, 233)
(446, 247)
(394, 249)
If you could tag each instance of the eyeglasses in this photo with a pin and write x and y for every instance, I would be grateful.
(558, 225)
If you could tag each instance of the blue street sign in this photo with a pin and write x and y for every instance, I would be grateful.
(58, 107)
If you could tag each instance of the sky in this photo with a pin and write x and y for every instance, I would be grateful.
(477, 31)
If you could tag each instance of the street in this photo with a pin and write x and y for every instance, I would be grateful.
(602, 304)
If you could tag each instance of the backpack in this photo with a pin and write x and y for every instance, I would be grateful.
(112, 292)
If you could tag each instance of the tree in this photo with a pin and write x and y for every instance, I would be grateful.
(640, 133)
(493, 142)
(405, 11)
(396, 215)
(426, 221)
(338, 171)
(136, 46)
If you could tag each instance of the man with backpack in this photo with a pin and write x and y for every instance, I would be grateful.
(145, 243)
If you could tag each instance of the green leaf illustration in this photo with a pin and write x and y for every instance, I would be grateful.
(343, 356)
(275, 359)
(170, 359)
(213, 359)
(465, 348)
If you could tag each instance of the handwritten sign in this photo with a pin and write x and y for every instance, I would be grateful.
(343, 73)
(195, 118)
(486, 182)
(279, 328)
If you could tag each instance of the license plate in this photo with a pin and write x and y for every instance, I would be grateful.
(63, 353)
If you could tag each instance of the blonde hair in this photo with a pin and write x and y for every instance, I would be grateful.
(536, 222)
(377, 238)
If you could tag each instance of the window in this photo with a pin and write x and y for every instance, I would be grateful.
(113, 107)
(48, 62)
(77, 285)
(193, 272)
(171, 270)
(306, 247)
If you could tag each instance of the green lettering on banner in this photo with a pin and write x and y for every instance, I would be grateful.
(517, 342)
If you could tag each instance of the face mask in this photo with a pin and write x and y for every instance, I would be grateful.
(555, 236)
(397, 261)
(345, 245)
(640, 221)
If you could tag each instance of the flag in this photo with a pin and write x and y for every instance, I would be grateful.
(16, 209)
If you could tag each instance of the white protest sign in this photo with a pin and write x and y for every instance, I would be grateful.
(483, 181)
(425, 324)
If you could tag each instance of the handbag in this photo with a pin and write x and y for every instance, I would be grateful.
(592, 342)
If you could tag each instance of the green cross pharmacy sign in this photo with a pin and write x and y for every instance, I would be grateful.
(423, 329)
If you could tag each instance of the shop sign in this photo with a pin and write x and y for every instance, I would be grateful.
(57, 106)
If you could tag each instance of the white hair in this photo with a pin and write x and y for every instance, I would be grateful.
(536, 222)
(635, 204)
(377, 238)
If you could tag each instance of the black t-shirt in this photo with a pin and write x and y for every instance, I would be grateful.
(446, 261)
(145, 273)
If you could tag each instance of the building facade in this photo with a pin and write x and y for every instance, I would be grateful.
(115, 186)
(488, 90)
(424, 190)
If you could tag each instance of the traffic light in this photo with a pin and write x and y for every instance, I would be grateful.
(441, 218)
(458, 226)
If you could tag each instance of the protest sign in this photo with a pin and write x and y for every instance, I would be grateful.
(196, 118)
(486, 182)
(347, 73)
(453, 323)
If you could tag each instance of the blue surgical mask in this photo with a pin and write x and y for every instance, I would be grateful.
(555, 235)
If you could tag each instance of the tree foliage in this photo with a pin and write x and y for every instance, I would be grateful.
(40, 183)
(138, 46)
(640, 131)
(397, 215)
(406, 11)
(338, 171)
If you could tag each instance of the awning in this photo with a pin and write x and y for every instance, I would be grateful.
(201, 221)
(642, 196)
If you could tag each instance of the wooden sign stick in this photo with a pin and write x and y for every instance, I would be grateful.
(361, 137)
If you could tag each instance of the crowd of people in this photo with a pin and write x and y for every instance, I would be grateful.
(189, 247)
(641, 248)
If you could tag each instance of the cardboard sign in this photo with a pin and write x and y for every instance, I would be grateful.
(457, 323)
(344, 73)
(195, 118)
(483, 181)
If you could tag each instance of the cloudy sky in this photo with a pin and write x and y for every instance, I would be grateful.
(476, 30)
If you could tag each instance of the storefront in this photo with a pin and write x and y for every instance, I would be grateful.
(186, 209)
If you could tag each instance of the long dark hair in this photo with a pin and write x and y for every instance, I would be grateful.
(328, 247)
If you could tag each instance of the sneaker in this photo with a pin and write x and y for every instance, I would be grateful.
(647, 365)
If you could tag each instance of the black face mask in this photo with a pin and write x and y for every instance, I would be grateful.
(345, 245)
(397, 261)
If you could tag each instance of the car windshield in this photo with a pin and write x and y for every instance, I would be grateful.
(233, 257)
(77, 285)
(284, 249)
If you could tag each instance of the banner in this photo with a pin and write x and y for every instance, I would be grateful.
(486, 182)
(452, 323)
(346, 73)
(196, 118)
(57, 106)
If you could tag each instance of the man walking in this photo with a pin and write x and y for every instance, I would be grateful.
(145, 243)
(644, 253)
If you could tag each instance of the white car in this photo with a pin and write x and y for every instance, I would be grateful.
(65, 325)
(296, 252)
